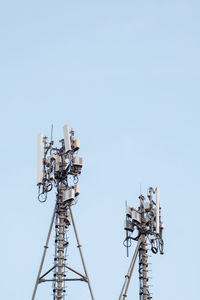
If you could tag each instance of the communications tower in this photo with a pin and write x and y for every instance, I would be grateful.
(59, 168)
(144, 226)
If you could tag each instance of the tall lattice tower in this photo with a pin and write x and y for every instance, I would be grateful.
(59, 168)
(144, 226)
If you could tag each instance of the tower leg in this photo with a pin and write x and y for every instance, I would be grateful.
(44, 253)
(129, 274)
(81, 253)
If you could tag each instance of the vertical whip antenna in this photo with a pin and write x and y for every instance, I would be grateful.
(157, 210)
(51, 132)
(40, 159)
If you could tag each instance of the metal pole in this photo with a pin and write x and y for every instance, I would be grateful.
(44, 253)
(143, 263)
(81, 254)
(60, 272)
(130, 272)
(143, 277)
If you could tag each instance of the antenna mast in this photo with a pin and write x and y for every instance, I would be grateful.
(60, 168)
(143, 225)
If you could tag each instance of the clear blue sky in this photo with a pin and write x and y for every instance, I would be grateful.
(125, 75)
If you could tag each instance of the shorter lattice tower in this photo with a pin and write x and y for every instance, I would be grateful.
(144, 226)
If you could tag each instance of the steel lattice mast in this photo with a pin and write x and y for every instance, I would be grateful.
(144, 226)
(55, 168)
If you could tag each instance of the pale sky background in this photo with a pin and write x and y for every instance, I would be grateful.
(125, 75)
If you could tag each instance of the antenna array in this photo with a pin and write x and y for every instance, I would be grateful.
(60, 168)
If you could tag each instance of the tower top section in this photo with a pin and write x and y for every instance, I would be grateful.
(59, 167)
(146, 220)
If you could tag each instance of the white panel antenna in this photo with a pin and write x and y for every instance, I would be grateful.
(76, 145)
(40, 159)
(66, 131)
(77, 189)
(69, 194)
(157, 210)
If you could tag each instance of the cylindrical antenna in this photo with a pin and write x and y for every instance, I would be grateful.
(51, 143)
(40, 159)
(157, 210)
(66, 131)
(51, 132)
